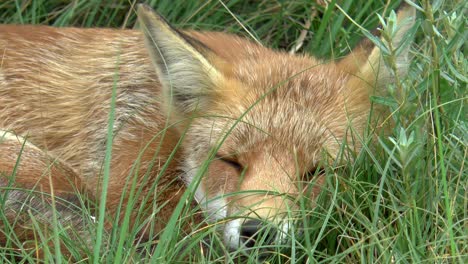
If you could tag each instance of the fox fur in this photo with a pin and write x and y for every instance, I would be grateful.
(262, 117)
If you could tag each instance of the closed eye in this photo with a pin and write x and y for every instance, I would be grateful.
(232, 162)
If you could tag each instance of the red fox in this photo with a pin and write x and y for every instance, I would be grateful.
(262, 117)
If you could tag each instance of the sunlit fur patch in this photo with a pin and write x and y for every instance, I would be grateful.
(6, 136)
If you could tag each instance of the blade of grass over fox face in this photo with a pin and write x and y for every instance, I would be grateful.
(205, 146)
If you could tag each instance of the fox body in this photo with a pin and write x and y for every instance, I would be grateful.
(263, 118)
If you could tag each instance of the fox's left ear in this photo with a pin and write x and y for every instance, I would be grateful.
(183, 65)
(370, 60)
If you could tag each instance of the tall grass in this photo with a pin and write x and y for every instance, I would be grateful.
(403, 198)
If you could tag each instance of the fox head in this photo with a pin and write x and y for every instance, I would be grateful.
(262, 118)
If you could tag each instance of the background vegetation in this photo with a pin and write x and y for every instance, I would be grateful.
(403, 199)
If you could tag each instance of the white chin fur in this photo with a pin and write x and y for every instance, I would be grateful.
(232, 234)
(233, 227)
(284, 232)
(214, 207)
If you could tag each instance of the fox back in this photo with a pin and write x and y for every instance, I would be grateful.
(208, 109)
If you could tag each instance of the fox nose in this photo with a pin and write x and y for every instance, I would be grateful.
(255, 232)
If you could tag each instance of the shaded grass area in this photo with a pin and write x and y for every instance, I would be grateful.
(404, 197)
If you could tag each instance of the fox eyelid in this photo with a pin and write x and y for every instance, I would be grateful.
(231, 162)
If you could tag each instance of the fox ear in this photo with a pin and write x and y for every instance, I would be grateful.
(370, 60)
(187, 76)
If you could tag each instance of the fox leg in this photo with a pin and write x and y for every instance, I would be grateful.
(36, 191)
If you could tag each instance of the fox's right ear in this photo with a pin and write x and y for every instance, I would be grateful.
(366, 61)
(189, 79)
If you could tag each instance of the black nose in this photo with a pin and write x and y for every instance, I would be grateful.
(255, 232)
